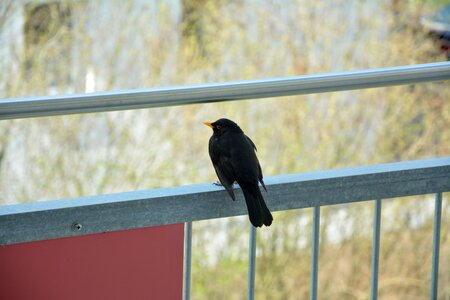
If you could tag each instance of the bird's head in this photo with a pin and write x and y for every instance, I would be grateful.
(223, 125)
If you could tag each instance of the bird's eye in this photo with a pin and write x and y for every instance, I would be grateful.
(218, 127)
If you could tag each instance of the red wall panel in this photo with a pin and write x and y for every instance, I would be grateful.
(145, 263)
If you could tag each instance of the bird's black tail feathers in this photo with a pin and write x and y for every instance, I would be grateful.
(258, 212)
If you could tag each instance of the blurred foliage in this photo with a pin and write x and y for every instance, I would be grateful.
(86, 46)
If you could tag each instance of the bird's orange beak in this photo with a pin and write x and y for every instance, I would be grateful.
(209, 124)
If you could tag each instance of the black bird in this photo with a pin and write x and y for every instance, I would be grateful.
(233, 155)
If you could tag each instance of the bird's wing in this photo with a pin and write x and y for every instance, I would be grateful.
(251, 143)
(260, 174)
(225, 181)
(222, 167)
(260, 177)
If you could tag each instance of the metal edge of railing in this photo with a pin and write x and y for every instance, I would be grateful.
(251, 272)
(104, 213)
(187, 260)
(435, 247)
(315, 237)
(13, 108)
(375, 250)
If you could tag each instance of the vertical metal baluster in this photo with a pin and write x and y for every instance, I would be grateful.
(187, 260)
(315, 254)
(251, 264)
(436, 242)
(375, 250)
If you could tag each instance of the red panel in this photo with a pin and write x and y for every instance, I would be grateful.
(144, 263)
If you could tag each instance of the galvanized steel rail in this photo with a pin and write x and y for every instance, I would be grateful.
(436, 242)
(315, 254)
(187, 255)
(215, 92)
(104, 213)
(375, 250)
(251, 263)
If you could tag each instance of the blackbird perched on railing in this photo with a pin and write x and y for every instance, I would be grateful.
(233, 155)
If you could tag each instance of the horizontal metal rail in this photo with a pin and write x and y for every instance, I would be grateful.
(104, 213)
(195, 94)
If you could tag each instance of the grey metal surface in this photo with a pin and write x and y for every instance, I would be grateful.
(252, 89)
(315, 254)
(187, 260)
(103, 213)
(375, 250)
(436, 242)
(251, 263)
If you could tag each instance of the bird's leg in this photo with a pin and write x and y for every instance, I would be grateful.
(218, 183)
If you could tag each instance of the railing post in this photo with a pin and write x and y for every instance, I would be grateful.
(375, 250)
(315, 253)
(436, 242)
(187, 260)
(251, 264)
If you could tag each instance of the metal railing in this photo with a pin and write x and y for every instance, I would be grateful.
(86, 215)
(215, 92)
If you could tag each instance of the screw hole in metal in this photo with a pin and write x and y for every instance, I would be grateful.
(77, 226)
